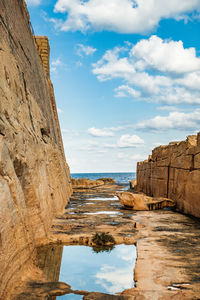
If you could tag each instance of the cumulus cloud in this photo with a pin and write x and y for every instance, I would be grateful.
(110, 131)
(153, 70)
(129, 141)
(125, 91)
(191, 80)
(112, 66)
(175, 120)
(134, 16)
(85, 50)
(100, 132)
(165, 56)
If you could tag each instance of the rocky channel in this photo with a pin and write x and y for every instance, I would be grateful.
(167, 242)
(39, 215)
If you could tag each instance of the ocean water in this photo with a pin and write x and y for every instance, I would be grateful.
(120, 178)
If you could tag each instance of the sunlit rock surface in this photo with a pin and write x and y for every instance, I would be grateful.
(34, 178)
(173, 172)
(84, 183)
(142, 202)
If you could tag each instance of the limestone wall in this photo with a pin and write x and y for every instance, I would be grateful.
(173, 171)
(43, 48)
(34, 177)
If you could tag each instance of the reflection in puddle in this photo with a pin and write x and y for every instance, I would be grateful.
(70, 297)
(108, 272)
(103, 212)
(104, 199)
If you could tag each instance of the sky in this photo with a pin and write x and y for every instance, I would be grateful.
(126, 75)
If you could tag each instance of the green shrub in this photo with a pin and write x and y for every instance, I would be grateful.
(101, 239)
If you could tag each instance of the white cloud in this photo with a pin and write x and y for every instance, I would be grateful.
(165, 56)
(114, 279)
(191, 80)
(175, 120)
(134, 16)
(56, 63)
(100, 132)
(110, 131)
(85, 50)
(125, 91)
(176, 71)
(33, 2)
(130, 141)
(111, 66)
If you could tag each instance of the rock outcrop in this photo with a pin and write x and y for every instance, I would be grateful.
(133, 184)
(142, 202)
(85, 183)
(173, 172)
(34, 180)
(107, 180)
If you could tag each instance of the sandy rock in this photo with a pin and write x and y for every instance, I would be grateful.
(174, 173)
(134, 201)
(107, 180)
(133, 184)
(85, 183)
(34, 179)
(142, 202)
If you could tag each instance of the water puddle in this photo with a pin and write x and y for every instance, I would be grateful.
(103, 212)
(178, 286)
(105, 271)
(104, 199)
(70, 297)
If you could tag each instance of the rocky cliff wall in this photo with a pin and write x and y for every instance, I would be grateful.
(173, 171)
(34, 177)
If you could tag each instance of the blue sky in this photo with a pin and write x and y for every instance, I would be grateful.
(126, 75)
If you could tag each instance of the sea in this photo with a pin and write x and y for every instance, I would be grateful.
(120, 178)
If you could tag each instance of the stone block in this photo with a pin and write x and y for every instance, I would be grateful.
(198, 139)
(191, 141)
(182, 162)
(197, 161)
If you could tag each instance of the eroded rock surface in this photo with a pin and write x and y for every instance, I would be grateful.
(34, 178)
(142, 202)
(133, 184)
(85, 183)
(168, 245)
(108, 180)
(173, 172)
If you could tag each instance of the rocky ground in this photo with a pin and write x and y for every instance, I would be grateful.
(168, 247)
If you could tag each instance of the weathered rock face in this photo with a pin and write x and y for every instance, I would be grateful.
(85, 183)
(142, 202)
(34, 179)
(173, 172)
(133, 184)
(107, 180)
